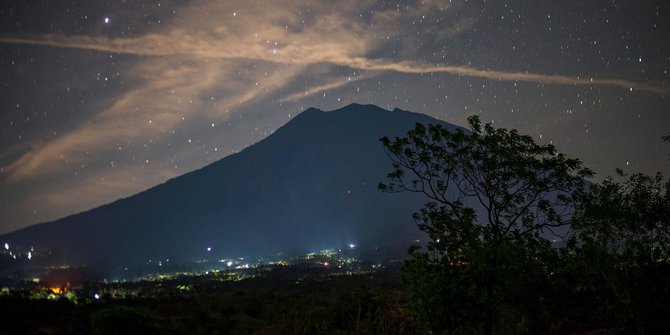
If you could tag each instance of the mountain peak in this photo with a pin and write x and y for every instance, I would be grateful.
(310, 185)
(350, 108)
(362, 107)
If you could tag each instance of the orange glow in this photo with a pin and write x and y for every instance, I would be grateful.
(56, 290)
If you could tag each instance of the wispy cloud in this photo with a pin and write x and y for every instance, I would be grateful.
(196, 55)
(214, 57)
(333, 45)
(135, 115)
(415, 67)
(335, 83)
(236, 55)
(172, 90)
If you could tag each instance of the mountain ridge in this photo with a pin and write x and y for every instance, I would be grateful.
(310, 184)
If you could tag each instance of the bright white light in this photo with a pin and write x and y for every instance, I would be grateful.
(209, 248)
(30, 255)
(351, 245)
(325, 264)
(96, 296)
(7, 246)
(106, 20)
(230, 263)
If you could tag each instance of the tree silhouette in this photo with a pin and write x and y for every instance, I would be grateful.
(621, 250)
(492, 194)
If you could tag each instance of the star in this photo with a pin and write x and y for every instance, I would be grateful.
(72, 97)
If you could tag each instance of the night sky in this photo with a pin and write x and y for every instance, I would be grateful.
(102, 99)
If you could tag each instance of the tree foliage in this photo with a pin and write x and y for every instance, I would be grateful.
(523, 187)
(494, 198)
(630, 218)
(479, 263)
(620, 252)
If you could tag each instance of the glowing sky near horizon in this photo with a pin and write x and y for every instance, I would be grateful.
(100, 100)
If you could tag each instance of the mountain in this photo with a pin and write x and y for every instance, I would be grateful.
(312, 184)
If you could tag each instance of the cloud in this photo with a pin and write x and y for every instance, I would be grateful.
(331, 38)
(213, 51)
(138, 114)
(213, 57)
(207, 44)
(415, 67)
(338, 82)
(170, 91)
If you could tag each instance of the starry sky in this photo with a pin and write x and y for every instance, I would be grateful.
(103, 99)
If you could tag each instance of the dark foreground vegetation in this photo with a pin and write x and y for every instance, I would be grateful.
(286, 300)
(520, 243)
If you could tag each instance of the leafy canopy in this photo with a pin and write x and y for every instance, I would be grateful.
(492, 194)
(522, 186)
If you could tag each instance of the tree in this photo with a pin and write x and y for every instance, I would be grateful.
(629, 217)
(621, 246)
(619, 254)
(492, 195)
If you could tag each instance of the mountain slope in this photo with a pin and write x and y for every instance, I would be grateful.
(312, 184)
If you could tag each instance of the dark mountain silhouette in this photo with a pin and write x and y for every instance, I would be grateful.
(310, 185)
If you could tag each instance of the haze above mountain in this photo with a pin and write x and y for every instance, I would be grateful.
(310, 185)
